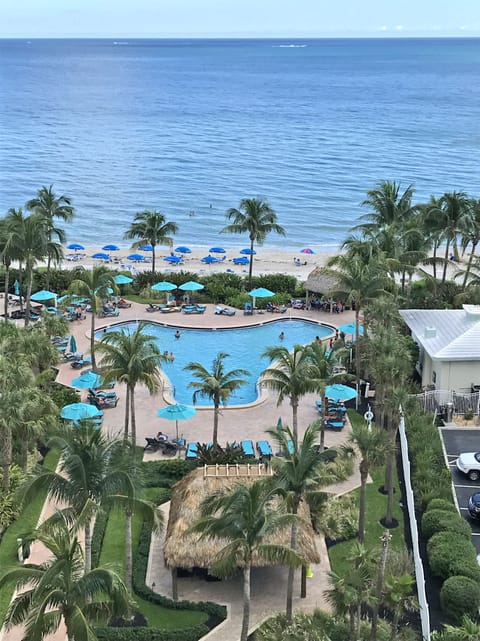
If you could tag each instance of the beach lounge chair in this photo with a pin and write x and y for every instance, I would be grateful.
(81, 362)
(264, 450)
(102, 402)
(152, 308)
(152, 444)
(248, 309)
(192, 451)
(123, 304)
(247, 447)
(107, 312)
(219, 309)
(335, 425)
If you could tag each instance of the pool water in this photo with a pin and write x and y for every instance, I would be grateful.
(244, 345)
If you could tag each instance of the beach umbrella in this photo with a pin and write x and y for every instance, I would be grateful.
(351, 328)
(79, 412)
(260, 292)
(76, 246)
(87, 380)
(209, 260)
(120, 279)
(183, 250)
(217, 250)
(248, 251)
(340, 392)
(73, 344)
(176, 413)
(16, 288)
(110, 248)
(164, 286)
(101, 256)
(307, 250)
(44, 295)
(146, 248)
(243, 260)
(138, 257)
(191, 286)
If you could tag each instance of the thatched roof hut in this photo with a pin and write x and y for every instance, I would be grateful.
(321, 281)
(182, 550)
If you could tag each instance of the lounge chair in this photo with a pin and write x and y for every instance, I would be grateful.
(192, 451)
(248, 309)
(335, 425)
(264, 450)
(152, 444)
(107, 312)
(123, 304)
(168, 310)
(81, 362)
(247, 447)
(103, 403)
(219, 309)
(152, 308)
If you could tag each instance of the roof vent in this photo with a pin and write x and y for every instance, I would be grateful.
(430, 332)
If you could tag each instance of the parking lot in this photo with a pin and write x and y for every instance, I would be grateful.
(458, 441)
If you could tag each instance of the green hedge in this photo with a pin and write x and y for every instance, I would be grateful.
(442, 504)
(460, 596)
(151, 634)
(446, 548)
(165, 473)
(435, 521)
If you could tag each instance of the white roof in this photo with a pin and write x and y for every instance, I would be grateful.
(446, 334)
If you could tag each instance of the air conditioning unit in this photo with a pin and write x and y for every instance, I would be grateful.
(430, 332)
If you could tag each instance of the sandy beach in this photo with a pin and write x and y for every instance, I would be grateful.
(266, 261)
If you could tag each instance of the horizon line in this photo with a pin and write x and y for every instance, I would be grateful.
(379, 36)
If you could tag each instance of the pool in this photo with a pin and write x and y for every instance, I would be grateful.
(244, 345)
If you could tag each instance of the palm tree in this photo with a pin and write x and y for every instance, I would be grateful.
(87, 478)
(373, 447)
(388, 206)
(94, 284)
(245, 518)
(50, 206)
(217, 385)
(399, 598)
(290, 377)
(131, 358)
(456, 210)
(59, 589)
(298, 475)
(7, 255)
(471, 234)
(256, 218)
(151, 227)
(468, 631)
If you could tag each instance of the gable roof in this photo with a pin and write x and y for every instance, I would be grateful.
(446, 334)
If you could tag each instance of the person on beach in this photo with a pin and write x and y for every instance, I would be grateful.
(177, 334)
(281, 336)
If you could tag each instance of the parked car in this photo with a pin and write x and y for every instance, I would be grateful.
(474, 505)
(469, 464)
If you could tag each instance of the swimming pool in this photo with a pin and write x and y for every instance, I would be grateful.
(244, 345)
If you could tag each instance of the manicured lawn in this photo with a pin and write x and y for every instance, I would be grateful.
(26, 522)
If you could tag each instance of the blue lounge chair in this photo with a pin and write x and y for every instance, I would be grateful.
(192, 451)
(335, 425)
(247, 447)
(290, 447)
(248, 309)
(264, 450)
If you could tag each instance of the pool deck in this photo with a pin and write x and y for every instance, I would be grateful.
(268, 584)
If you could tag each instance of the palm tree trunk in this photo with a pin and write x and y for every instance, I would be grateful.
(352, 623)
(20, 282)
(379, 587)
(29, 293)
(127, 414)
(445, 264)
(153, 260)
(49, 262)
(467, 271)
(6, 434)
(357, 349)
(435, 247)
(174, 584)
(291, 569)
(88, 546)
(322, 425)
(24, 455)
(250, 267)
(128, 550)
(389, 469)
(132, 416)
(294, 403)
(395, 622)
(7, 284)
(363, 500)
(246, 602)
(215, 423)
(92, 335)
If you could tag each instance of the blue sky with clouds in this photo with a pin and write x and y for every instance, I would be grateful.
(238, 18)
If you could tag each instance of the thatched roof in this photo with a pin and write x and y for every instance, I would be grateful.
(183, 550)
(321, 281)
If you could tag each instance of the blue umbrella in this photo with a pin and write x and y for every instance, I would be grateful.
(173, 259)
(73, 344)
(183, 250)
(138, 257)
(209, 259)
(16, 287)
(110, 248)
(340, 392)
(101, 256)
(260, 292)
(241, 261)
(217, 250)
(164, 286)
(351, 328)
(79, 412)
(76, 246)
(43, 295)
(87, 380)
(146, 248)
(191, 286)
(120, 279)
(176, 413)
(248, 251)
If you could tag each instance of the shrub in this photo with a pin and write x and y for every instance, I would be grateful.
(435, 521)
(462, 568)
(444, 549)
(9, 506)
(441, 504)
(338, 518)
(165, 473)
(460, 596)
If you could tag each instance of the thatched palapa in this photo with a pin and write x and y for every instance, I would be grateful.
(321, 281)
(182, 550)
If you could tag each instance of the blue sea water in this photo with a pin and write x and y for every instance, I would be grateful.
(196, 125)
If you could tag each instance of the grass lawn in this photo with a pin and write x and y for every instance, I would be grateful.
(26, 522)
(113, 552)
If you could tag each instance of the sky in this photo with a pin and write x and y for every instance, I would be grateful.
(238, 18)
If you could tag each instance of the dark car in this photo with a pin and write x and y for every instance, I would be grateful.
(474, 505)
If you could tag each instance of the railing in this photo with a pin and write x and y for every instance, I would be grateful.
(436, 401)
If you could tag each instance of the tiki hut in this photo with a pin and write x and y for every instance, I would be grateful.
(321, 281)
(182, 550)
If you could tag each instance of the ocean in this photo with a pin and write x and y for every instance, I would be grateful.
(196, 125)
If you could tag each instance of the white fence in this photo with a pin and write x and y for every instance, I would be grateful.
(419, 575)
(437, 401)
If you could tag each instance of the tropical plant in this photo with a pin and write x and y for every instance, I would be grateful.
(456, 209)
(256, 218)
(94, 284)
(388, 206)
(217, 385)
(245, 518)
(399, 598)
(469, 630)
(290, 376)
(87, 478)
(58, 590)
(373, 446)
(132, 358)
(151, 227)
(50, 206)
(7, 255)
